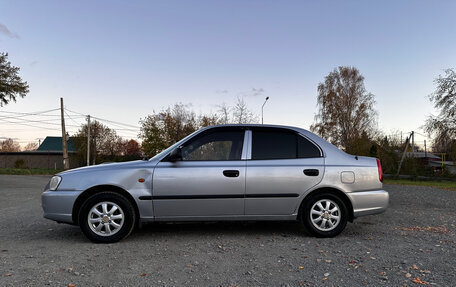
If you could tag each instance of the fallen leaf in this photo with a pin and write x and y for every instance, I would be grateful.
(415, 267)
(419, 281)
(143, 274)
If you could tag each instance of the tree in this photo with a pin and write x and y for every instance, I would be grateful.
(237, 114)
(162, 129)
(131, 148)
(443, 126)
(11, 84)
(345, 109)
(208, 120)
(9, 145)
(242, 114)
(31, 147)
(224, 110)
(102, 137)
(165, 128)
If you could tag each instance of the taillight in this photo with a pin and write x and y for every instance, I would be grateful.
(380, 172)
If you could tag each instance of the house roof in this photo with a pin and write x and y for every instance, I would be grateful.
(421, 154)
(55, 144)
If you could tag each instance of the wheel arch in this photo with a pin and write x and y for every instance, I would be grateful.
(99, 188)
(343, 196)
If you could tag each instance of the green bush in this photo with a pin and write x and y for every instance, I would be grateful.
(20, 163)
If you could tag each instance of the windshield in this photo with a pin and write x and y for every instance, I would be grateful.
(169, 149)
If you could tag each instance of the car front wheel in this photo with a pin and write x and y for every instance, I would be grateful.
(324, 215)
(107, 217)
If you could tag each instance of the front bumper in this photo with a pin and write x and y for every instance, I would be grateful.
(369, 202)
(58, 205)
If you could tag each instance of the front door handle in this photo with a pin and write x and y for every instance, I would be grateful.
(311, 172)
(231, 173)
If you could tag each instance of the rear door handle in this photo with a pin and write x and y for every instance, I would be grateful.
(231, 173)
(311, 172)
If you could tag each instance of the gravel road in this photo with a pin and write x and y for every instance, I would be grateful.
(412, 244)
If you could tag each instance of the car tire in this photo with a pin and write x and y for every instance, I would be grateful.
(107, 217)
(324, 215)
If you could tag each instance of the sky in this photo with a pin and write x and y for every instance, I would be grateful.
(122, 60)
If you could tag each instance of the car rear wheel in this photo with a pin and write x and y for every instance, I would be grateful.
(107, 217)
(324, 215)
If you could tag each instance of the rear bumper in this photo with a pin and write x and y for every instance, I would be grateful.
(58, 205)
(369, 202)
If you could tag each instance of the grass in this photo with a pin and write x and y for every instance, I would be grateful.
(29, 171)
(449, 185)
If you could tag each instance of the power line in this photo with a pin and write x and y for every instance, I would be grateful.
(72, 119)
(75, 112)
(105, 120)
(35, 120)
(46, 122)
(30, 114)
(118, 123)
(45, 128)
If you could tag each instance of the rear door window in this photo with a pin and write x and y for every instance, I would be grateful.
(281, 144)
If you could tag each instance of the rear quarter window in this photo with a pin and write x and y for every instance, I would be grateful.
(307, 149)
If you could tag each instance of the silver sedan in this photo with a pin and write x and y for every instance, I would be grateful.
(226, 172)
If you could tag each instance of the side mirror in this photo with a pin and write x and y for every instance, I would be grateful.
(175, 155)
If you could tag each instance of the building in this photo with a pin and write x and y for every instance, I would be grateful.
(436, 162)
(48, 155)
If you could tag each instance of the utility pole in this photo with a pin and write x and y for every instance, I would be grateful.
(403, 155)
(88, 140)
(66, 163)
(94, 157)
(425, 151)
(413, 142)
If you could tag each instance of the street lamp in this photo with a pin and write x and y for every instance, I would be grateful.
(267, 98)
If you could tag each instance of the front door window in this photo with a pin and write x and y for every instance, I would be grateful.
(216, 146)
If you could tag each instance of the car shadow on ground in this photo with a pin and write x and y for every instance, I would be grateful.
(222, 228)
(158, 230)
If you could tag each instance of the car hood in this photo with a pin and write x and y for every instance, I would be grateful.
(110, 166)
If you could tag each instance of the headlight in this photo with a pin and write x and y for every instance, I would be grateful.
(54, 183)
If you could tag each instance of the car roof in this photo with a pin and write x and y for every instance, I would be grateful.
(255, 125)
